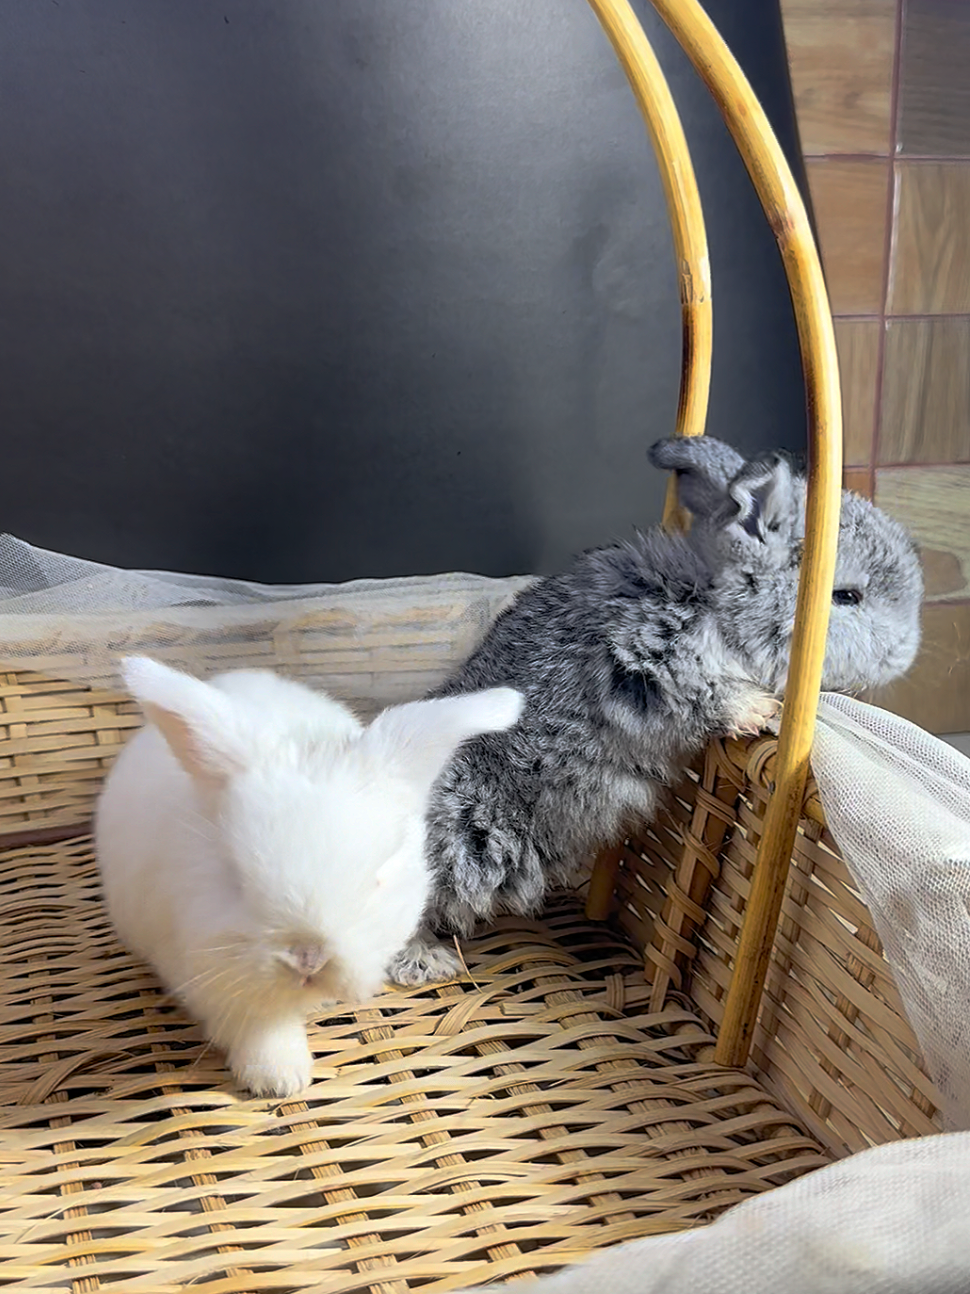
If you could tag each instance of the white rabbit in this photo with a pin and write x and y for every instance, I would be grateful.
(265, 852)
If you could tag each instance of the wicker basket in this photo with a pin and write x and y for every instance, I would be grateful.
(567, 1093)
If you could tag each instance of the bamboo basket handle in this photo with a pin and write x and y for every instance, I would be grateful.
(662, 119)
(782, 203)
(663, 123)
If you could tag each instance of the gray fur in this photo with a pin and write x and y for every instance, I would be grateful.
(631, 660)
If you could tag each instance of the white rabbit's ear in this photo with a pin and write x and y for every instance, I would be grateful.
(418, 739)
(200, 723)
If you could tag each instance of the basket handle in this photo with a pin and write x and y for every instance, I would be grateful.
(783, 205)
(656, 103)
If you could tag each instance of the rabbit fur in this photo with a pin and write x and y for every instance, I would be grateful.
(630, 662)
(264, 852)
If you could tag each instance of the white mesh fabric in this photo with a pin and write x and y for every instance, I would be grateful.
(897, 802)
(370, 642)
(892, 1220)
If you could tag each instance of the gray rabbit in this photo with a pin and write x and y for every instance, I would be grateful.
(630, 661)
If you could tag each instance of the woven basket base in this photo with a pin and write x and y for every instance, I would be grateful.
(505, 1124)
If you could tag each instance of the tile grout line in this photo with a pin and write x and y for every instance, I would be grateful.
(888, 240)
(913, 462)
(945, 159)
(875, 316)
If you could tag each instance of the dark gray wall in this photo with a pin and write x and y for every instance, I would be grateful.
(296, 290)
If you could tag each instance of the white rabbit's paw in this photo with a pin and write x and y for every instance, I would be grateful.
(751, 711)
(423, 960)
(276, 1064)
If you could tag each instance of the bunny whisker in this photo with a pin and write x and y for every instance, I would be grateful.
(206, 979)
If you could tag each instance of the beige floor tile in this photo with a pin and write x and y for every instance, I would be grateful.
(930, 271)
(925, 414)
(857, 479)
(936, 693)
(858, 345)
(934, 504)
(841, 58)
(850, 208)
(934, 85)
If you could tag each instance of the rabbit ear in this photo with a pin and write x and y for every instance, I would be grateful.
(760, 499)
(721, 489)
(704, 468)
(200, 723)
(420, 737)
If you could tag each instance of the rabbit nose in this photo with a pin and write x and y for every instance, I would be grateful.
(308, 959)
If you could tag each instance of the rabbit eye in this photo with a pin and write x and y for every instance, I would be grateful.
(846, 597)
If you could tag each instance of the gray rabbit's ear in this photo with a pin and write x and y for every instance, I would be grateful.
(721, 490)
(760, 499)
(704, 467)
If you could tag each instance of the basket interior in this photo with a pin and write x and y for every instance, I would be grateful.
(560, 1097)
(507, 1123)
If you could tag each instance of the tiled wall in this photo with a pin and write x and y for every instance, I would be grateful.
(882, 89)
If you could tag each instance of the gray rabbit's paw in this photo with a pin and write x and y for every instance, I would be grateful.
(751, 711)
(424, 960)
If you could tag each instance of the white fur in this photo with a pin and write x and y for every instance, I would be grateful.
(265, 852)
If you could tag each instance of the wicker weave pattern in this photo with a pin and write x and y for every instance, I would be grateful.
(518, 1119)
(833, 1041)
(57, 741)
